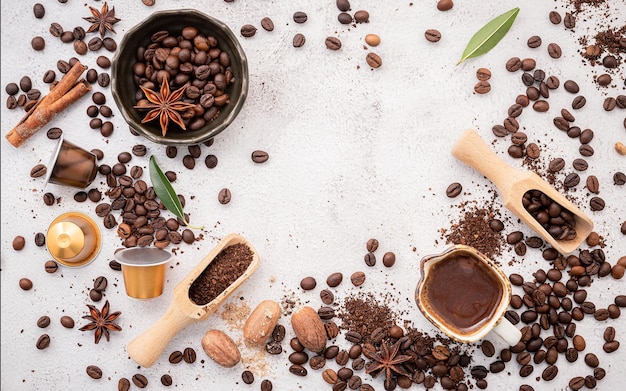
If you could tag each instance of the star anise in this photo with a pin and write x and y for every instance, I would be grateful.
(102, 20)
(165, 105)
(101, 321)
(389, 361)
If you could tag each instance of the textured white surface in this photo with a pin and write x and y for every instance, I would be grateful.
(355, 153)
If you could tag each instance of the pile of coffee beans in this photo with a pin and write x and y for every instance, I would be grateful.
(554, 218)
(183, 57)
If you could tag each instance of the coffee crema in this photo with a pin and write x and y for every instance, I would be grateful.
(462, 292)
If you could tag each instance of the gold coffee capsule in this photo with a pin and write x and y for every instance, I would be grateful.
(143, 269)
(73, 239)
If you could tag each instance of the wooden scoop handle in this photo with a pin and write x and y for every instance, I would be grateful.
(148, 346)
(473, 151)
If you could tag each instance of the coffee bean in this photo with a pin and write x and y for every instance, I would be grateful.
(454, 189)
(259, 156)
(38, 170)
(549, 373)
(554, 50)
(596, 203)
(532, 151)
(541, 106)
(176, 357)
(308, 283)
(357, 278)
(515, 110)
(189, 355)
(373, 60)
(26, 284)
(534, 42)
(372, 39)
(51, 266)
(572, 180)
(247, 377)
(361, 16)
(555, 18)
(67, 322)
(578, 102)
(389, 259)
(268, 25)
(95, 295)
(482, 87)
(528, 64)
(432, 35)
(580, 164)
(556, 165)
(483, 74)
(610, 347)
(609, 61)
(298, 40)
(487, 348)
(43, 322)
(140, 380)
(266, 385)
(40, 239)
(343, 5)
(514, 64)
(571, 86)
(300, 17)
(224, 196)
(332, 43)
(579, 343)
(370, 259)
(94, 372)
(115, 265)
(334, 279)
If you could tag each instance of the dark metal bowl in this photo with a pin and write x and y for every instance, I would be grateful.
(124, 87)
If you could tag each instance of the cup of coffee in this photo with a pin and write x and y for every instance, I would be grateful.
(143, 269)
(71, 165)
(73, 239)
(465, 295)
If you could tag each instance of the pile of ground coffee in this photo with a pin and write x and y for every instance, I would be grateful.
(225, 269)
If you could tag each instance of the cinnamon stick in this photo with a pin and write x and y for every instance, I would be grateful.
(68, 91)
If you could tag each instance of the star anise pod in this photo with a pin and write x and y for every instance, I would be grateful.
(101, 321)
(165, 105)
(388, 360)
(102, 20)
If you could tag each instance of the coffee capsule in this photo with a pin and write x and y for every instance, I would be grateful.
(71, 165)
(73, 239)
(143, 269)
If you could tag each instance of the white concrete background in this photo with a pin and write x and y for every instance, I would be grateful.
(355, 153)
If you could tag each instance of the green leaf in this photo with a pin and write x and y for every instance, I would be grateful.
(166, 193)
(489, 35)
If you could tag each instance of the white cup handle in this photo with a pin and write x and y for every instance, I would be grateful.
(508, 332)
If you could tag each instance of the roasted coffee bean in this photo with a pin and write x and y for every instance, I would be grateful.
(513, 64)
(610, 347)
(189, 355)
(515, 110)
(370, 259)
(592, 360)
(479, 372)
(541, 106)
(166, 380)
(389, 259)
(519, 138)
(357, 278)
(308, 283)
(38, 170)
(534, 42)
(43, 342)
(224, 196)
(259, 156)
(432, 35)
(266, 385)
(528, 64)
(43, 322)
(332, 43)
(40, 239)
(619, 179)
(571, 180)
(499, 131)
(176, 357)
(571, 355)
(528, 80)
(26, 284)
(273, 347)
(555, 18)
(326, 313)
(300, 17)
(267, 24)
(482, 87)
(609, 103)
(115, 265)
(372, 245)
(334, 279)
(549, 373)
(247, 377)
(94, 372)
(596, 203)
(454, 189)
(278, 334)
(593, 184)
(140, 380)
(554, 50)
(532, 151)
(298, 40)
(373, 60)
(487, 348)
(67, 322)
(51, 266)
(579, 102)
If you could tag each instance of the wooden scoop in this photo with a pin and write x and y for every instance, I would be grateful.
(147, 347)
(514, 183)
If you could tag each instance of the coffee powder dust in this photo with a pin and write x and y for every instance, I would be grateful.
(364, 313)
(235, 314)
(225, 269)
(473, 229)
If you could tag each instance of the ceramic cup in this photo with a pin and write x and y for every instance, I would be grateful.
(465, 295)
(71, 165)
(143, 269)
(73, 239)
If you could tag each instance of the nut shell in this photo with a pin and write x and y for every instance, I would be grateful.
(261, 323)
(309, 329)
(221, 348)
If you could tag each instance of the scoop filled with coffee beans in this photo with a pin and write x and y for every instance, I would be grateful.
(198, 295)
(557, 220)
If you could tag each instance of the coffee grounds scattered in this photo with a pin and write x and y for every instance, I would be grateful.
(473, 229)
(225, 269)
(364, 313)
